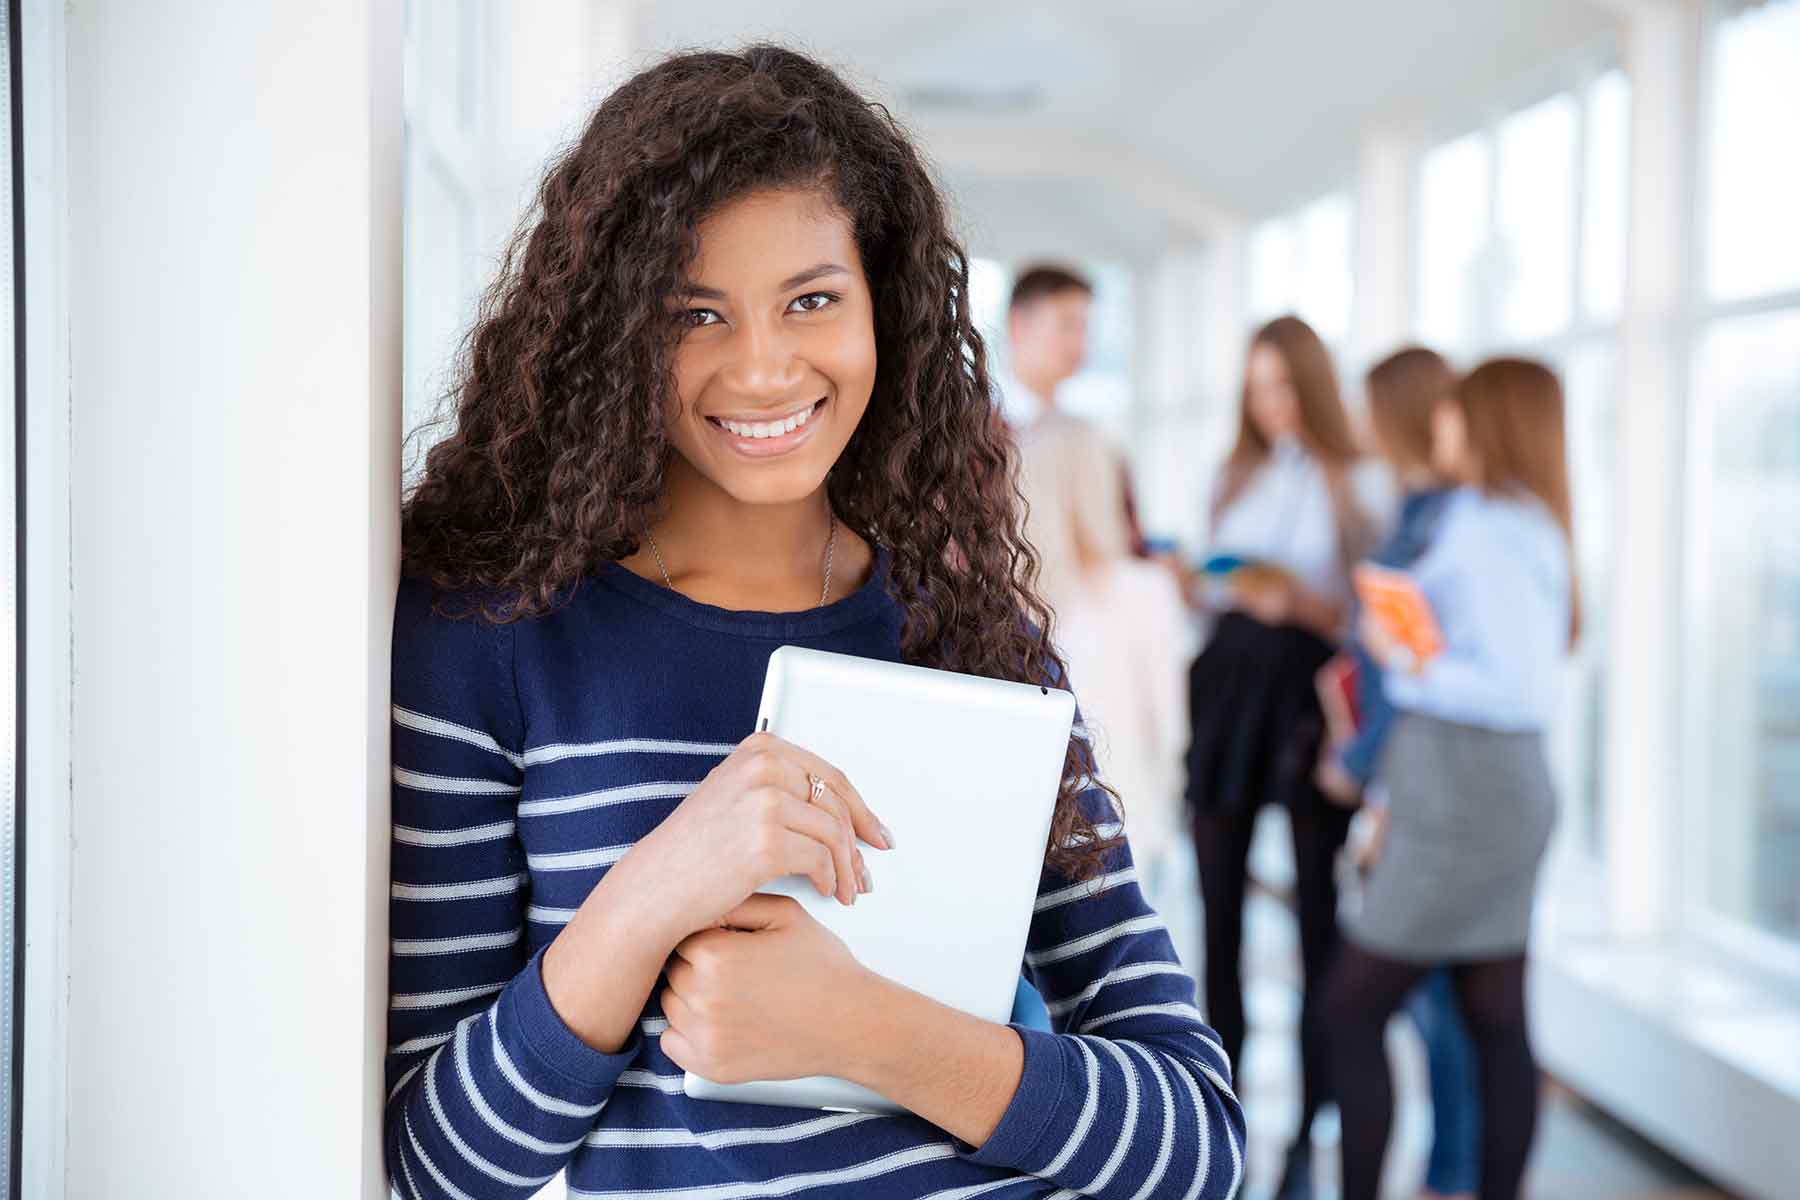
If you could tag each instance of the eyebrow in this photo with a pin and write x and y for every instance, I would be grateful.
(699, 291)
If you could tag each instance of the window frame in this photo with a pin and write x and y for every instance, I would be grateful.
(1292, 217)
(1573, 857)
(1735, 942)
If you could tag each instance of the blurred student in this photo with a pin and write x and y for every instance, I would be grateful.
(1046, 327)
(1294, 507)
(1046, 340)
(1404, 391)
(1470, 794)
(1123, 627)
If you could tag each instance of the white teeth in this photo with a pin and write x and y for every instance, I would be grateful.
(766, 429)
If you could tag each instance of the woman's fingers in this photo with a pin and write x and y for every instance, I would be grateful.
(808, 856)
(793, 838)
(865, 824)
(851, 871)
(831, 831)
(772, 766)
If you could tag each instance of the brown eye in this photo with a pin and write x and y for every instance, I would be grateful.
(813, 301)
(694, 318)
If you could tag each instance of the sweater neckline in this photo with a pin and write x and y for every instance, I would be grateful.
(859, 605)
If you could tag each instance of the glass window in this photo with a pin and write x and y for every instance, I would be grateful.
(1301, 264)
(1534, 220)
(1274, 268)
(1753, 173)
(444, 35)
(990, 287)
(440, 255)
(1743, 623)
(1323, 283)
(1453, 221)
(1591, 419)
(1607, 138)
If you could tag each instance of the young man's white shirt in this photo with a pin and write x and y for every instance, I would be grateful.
(1019, 405)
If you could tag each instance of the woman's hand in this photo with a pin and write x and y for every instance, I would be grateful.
(752, 820)
(1267, 596)
(765, 997)
(776, 995)
(1367, 848)
(1339, 786)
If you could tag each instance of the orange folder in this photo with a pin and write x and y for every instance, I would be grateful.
(1395, 600)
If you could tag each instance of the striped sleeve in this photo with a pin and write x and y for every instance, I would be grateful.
(489, 1092)
(1131, 1097)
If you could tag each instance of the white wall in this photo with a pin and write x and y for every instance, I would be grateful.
(234, 222)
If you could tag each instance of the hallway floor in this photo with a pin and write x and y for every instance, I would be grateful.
(1579, 1153)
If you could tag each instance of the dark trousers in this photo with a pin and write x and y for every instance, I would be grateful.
(1364, 992)
(1222, 847)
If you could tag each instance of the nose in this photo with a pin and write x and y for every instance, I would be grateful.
(763, 365)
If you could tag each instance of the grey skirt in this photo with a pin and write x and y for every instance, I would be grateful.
(1471, 814)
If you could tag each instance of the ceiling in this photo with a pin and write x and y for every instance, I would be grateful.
(1111, 129)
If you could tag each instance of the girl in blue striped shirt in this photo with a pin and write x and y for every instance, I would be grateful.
(727, 395)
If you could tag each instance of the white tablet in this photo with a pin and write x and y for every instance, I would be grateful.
(965, 771)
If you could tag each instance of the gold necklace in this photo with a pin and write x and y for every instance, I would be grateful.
(830, 546)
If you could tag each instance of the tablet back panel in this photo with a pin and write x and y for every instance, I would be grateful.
(964, 770)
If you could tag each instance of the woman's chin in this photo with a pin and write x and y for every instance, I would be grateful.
(788, 484)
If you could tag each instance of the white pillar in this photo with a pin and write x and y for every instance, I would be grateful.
(494, 93)
(1181, 456)
(1171, 317)
(1662, 46)
(234, 314)
(1384, 235)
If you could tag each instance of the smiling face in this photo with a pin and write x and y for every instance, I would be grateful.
(776, 361)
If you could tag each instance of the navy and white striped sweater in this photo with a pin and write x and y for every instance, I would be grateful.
(529, 757)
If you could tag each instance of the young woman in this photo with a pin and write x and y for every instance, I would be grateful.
(1292, 503)
(728, 396)
(1404, 391)
(1464, 769)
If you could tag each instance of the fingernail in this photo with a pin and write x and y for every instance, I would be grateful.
(868, 880)
(887, 835)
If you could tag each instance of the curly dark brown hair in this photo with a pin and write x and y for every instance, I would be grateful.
(556, 458)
